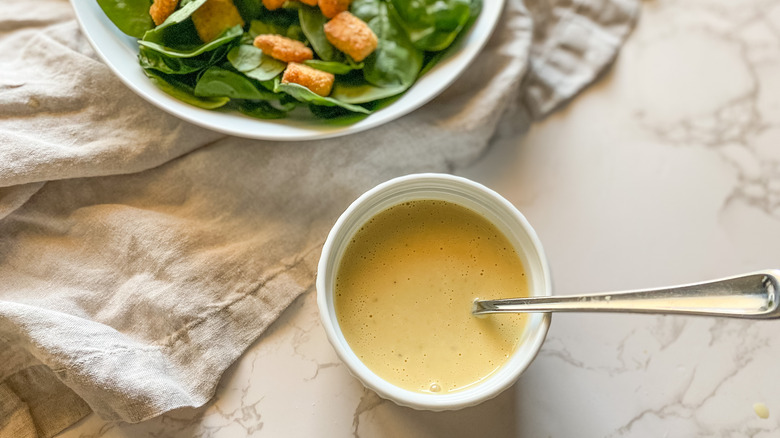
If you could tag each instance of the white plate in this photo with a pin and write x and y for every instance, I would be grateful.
(120, 52)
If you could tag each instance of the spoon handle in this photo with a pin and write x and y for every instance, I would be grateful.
(753, 295)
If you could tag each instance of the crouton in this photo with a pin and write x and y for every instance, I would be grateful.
(351, 35)
(273, 4)
(214, 17)
(318, 81)
(161, 10)
(283, 48)
(331, 8)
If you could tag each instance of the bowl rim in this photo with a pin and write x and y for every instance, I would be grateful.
(478, 393)
(116, 50)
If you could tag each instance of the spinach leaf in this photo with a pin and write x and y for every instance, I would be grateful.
(261, 110)
(182, 36)
(252, 62)
(152, 59)
(184, 92)
(280, 22)
(335, 115)
(312, 22)
(335, 67)
(305, 95)
(366, 10)
(363, 92)
(130, 16)
(476, 8)
(263, 27)
(296, 32)
(180, 15)
(249, 9)
(218, 82)
(433, 58)
(395, 62)
(231, 35)
(432, 25)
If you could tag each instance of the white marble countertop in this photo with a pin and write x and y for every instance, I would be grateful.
(667, 171)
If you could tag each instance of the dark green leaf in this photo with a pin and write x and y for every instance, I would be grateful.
(366, 10)
(364, 92)
(280, 22)
(296, 32)
(305, 95)
(153, 59)
(335, 115)
(130, 16)
(179, 16)
(184, 92)
(432, 25)
(249, 9)
(261, 110)
(231, 35)
(433, 58)
(252, 62)
(335, 67)
(218, 82)
(312, 22)
(395, 62)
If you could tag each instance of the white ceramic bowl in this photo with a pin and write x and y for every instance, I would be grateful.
(120, 53)
(468, 194)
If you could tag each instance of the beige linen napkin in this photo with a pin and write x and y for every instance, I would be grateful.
(140, 255)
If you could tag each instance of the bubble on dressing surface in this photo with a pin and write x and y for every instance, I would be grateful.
(435, 387)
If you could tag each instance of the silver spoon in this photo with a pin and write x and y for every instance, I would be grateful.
(753, 295)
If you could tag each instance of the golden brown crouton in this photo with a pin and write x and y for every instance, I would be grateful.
(318, 81)
(351, 35)
(283, 48)
(331, 8)
(161, 9)
(273, 4)
(214, 17)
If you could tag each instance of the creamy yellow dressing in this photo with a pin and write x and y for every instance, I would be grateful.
(761, 410)
(404, 293)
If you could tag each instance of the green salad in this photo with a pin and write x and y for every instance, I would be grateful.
(238, 59)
